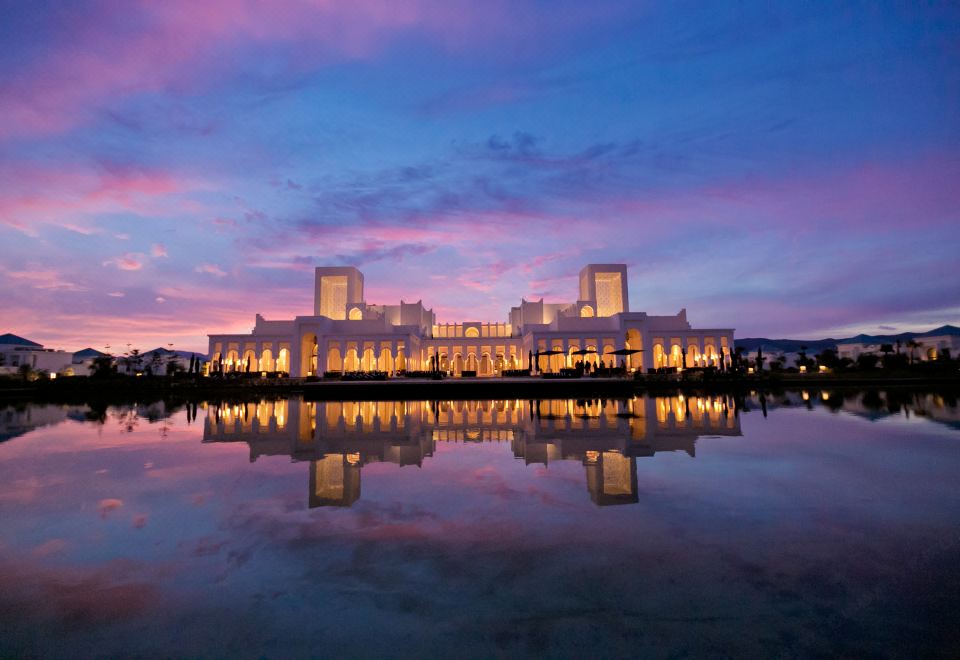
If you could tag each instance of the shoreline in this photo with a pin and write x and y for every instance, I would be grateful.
(454, 388)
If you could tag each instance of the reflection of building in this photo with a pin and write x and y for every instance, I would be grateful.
(17, 421)
(339, 438)
(345, 333)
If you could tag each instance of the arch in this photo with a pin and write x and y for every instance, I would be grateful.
(249, 362)
(444, 362)
(607, 357)
(659, 359)
(355, 314)
(587, 312)
(369, 361)
(233, 359)
(471, 332)
(351, 361)
(401, 362)
(594, 357)
(457, 366)
(710, 357)
(471, 363)
(676, 355)
(334, 360)
(216, 361)
(308, 354)
(693, 355)
(932, 353)
(266, 360)
(499, 363)
(486, 365)
(283, 360)
(385, 360)
(634, 342)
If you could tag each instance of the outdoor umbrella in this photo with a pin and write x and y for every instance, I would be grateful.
(585, 351)
(625, 351)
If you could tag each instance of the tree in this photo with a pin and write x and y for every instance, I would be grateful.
(102, 366)
(867, 361)
(913, 345)
(828, 358)
(26, 372)
(155, 361)
(133, 361)
(760, 359)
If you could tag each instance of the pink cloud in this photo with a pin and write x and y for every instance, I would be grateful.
(129, 261)
(69, 196)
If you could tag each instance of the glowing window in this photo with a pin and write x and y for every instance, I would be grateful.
(471, 332)
(355, 314)
(609, 294)
(333, 296)
(586, 311)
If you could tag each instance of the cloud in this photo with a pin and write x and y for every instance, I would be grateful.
(158, 250)
(210, 269)
(129, 261)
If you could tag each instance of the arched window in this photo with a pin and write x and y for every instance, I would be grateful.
(587, 312)
(471, 332)
(355, 314)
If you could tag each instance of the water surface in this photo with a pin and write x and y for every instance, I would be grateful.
(797, 524)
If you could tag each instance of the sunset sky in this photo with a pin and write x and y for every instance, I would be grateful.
(170, 169)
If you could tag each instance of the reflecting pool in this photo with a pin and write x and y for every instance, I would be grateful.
(800, 523)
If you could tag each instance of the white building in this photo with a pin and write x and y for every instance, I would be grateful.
(345, 333)
(926, 348)
(16, 351)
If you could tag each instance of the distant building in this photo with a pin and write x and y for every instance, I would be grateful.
(158, 361)
(16, 351)
(929, 348)
(345, 333)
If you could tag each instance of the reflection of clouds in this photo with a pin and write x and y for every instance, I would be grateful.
(75, 596)
(105, 506)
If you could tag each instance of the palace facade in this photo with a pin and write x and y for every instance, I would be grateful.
(345, 333)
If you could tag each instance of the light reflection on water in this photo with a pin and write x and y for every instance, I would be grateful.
(796, 523)
(340, 438)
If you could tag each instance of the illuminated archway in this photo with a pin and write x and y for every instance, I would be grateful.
(471, 364)
(283, 360)
(232, 361)
(334, 361)
(249, 362)
(266, 360)
(587, 312)
(385, 361)
(369, 360)
(457, 364)
(659, 359)
(351, 362)
(693, 355)
(676, 356)
(308, 354)
(355, 314)
(471, 332)
(634, 343)
(401, 360)
(486, 365)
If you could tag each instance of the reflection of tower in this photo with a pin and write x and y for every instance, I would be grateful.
(334, 480)
(611, 478)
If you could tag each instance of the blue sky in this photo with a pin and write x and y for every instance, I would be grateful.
(171, 169)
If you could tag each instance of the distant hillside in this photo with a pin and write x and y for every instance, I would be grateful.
(750, 344)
